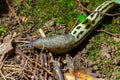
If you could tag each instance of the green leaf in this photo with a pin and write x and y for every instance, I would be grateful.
(2, 30)
(82, 17)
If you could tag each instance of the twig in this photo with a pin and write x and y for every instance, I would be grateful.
(2, 75)
(35, 68)
(2, 60)
(22, 41)
(13, 12)
(45, 59)
(46, 76)
(112, 34)
(42, 33)
(80, 4)
(12, 73)
(38, 65)
(45, 69)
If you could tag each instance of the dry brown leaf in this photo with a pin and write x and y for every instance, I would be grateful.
(79, 75)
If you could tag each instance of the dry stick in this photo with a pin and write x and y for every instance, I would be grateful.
(42, 33)
(28, 76)
(13, 12)
(44, 68)
(12, 73)
(46, 76)
(3, 60)
(35, 68)
(80, 4)
(22, 41)
(38, 65)
(112, 34)
(2, 75)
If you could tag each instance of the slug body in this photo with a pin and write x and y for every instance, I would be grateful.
(58, 44)
(63, 43)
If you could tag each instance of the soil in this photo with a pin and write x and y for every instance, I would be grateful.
(28, 63)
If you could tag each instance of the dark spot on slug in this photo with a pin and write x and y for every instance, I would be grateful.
(78, 27)
(74, 32)
(85, 21)
(97, 15)
(91, 15)
(79, 34)
(104, 7)
(94, 20)
(100, 15)
(100, 10)
(88, 26)
(99, 7)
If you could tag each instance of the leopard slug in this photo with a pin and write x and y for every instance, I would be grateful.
(63, 43)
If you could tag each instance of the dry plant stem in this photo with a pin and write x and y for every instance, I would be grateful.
(42, 60)
(29, 76)
(45, 69)
(2, 57)
(35, 68)
(34, 77)
(112, 34)
(42, 32)
(2, 75)
(46, 76)
(39, 65)
(25, 64)
(45, 59)
(12, 73)
(22, 41)
(80, 4)
(9, 78)
(2, 62)
(13, 12)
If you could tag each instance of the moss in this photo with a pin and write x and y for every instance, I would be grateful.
(66, 12)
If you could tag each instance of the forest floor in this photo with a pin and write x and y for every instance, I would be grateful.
(98, 56)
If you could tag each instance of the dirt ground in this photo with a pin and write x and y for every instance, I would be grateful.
(26, 62)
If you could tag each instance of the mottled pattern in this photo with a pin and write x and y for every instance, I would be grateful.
(78, 27)
(84, 28)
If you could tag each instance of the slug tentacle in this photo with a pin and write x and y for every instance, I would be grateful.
(64, 43)
(30, 39)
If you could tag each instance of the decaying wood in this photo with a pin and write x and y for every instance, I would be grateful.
(6, 47)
